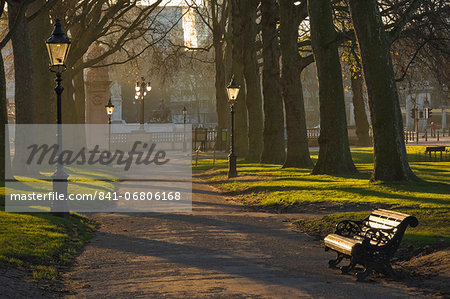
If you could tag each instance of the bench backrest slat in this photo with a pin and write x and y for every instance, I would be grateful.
(382, 223)
(391, 214)
(386, 220)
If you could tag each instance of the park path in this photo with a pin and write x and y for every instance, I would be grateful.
(220, 250)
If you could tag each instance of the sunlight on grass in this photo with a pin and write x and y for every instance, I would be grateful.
(81, 181)
(41, 241)
(270, 185)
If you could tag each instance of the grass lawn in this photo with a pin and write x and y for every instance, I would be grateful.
(42, 242)
(81, 181)
(272, 186)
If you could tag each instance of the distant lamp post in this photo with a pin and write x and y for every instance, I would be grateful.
(184, 114)
(109, 112)
(233, 91)
(184, 128)
(58, 46)
(141, 89)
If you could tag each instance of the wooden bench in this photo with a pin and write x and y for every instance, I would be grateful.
(370, 242)
(435, 149)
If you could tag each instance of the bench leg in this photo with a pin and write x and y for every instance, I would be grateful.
(333, 263)
(361, 276)
(347, 269)
(387, 270)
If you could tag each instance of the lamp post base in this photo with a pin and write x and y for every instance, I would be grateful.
(232, 172)
(60, 208)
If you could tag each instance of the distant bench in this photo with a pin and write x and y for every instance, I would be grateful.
(370, 242)
(435, 149)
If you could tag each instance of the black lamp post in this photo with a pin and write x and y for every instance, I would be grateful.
(184, 128)
(141, 91)
(58, 46)
(109, 111)
(184, 114)
(233, 91)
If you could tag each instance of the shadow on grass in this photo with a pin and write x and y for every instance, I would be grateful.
(361, 192)
(307, 179)
(387, 195)
(93, 186)
(264, 189)
(362, 156)
(29, 187)
(420, 186)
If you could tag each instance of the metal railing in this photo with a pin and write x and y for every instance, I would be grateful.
(204, 139)
(433, 135)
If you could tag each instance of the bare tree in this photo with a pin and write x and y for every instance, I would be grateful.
(274, 142)
(113, 24)
(361, 122)
(292, 64)
(23, 93)
(334, 152)
(351, 58)
(390, 160)
(215, 14)
(248, 9)
(5, 165)
(44, 102)
(237, 70)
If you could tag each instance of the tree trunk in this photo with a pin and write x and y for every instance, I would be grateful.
(80, 98)
(390, 159)
(297, 154)
(44, 96)
(69, 112)
(359, 108)
(241, 125)
(252, 80)
(228, 61)
(274, 144)
(5, 165)
(220, 84)
(23, 76)
(334, 152)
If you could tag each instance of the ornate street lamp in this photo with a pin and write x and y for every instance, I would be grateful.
(233, 91)
(184, 128)
(109, 112)
(141, 89)
(58, 46)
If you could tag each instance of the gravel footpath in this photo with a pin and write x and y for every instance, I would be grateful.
(220, 250)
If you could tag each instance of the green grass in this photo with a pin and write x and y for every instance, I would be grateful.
(81, 181)
(41, 241)
(272, 186)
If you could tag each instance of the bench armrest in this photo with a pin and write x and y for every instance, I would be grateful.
(348, 228)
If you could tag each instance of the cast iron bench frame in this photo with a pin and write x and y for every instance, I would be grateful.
(370, 242)
(434, 149)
